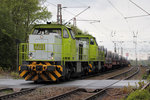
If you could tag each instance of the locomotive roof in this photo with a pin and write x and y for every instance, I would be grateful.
(49, 26)
(84, 35)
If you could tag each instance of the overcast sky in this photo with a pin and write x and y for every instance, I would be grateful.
(113, 26)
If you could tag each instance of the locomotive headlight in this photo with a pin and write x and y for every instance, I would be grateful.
(52, 58)
(41, 36)
(30, 55)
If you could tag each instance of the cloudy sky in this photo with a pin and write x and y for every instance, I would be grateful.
(113, 26)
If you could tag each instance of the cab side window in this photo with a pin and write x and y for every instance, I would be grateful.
(65, 34)
(92, 41)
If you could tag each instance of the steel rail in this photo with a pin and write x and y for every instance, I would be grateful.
(64, 95)
(101, 73)
(15, 94)
(22, 92)
(101, 92)
(145, 86)
(112, 77)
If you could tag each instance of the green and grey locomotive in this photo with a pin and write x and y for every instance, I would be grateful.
(53, 52)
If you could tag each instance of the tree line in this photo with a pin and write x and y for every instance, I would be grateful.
(16, 20)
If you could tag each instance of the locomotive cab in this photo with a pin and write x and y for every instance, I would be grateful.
(46, 52)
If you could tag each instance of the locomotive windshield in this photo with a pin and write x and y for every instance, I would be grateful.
(46, 31)
(72, 34)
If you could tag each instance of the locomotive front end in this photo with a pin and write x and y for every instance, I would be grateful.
(40, 58)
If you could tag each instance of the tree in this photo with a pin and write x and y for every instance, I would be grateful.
(76, 30)
(16, 20)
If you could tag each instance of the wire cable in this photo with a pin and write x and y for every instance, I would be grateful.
(148, 14)
(139, 7)
(115, 8)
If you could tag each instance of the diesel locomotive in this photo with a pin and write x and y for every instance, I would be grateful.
(54, 53)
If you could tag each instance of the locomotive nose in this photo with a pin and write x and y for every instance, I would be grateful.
(39, 68)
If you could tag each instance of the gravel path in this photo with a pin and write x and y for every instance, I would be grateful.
(115, 94)
(43, 93)
(140, 74)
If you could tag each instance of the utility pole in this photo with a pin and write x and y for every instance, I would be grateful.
(59, 14)
(135, 42)
(121, 42)
(74, 21)
(113, 34)
(115, 46)
(121, 51)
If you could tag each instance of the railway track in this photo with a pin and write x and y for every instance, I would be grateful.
(103, 91)
(5, 89)
(77, 93)
(15, 94)
(101, 73)
(145, 86)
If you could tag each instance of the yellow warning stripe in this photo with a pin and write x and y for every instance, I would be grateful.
(35, 78)
(52, 77)
(47, 63)
(44, 78)
(19, 68)
(90, 65)
(23, 73)
(57, 73)
(90, 70)
(61, 69)
(28, 76)
(33, 63)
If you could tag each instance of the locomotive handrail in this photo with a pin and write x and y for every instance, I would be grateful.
(24, 52)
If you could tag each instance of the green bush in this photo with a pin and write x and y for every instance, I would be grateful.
(139, 95)
(148, 77)
(144, 76)
(1, 70)
(15, 75)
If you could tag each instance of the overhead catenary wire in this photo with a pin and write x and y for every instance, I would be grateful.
(67, 8)
(77, 15)
(139, 7)
(148, 14)
(119, 13)
(115, 8)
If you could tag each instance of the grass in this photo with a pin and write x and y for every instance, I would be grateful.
(127, 89)
(8, 91)
(15, 75)
(139, 95)
(1, 70)
(7, 72)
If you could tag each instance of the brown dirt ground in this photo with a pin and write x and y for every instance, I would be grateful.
(140, 74)
(43, 93)
(118, 94)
